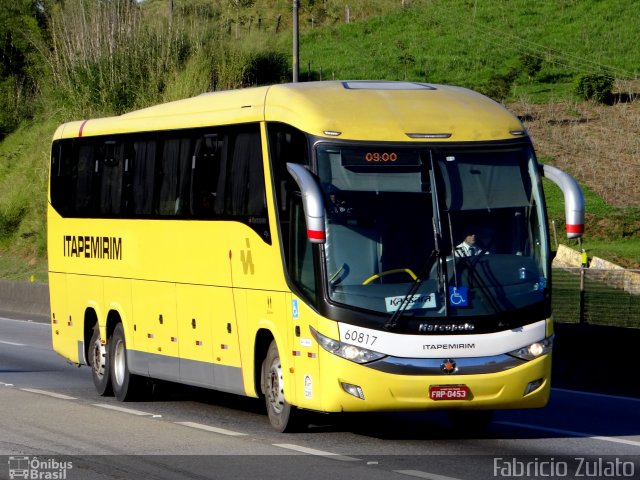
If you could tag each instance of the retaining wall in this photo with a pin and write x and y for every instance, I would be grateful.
(27, 298)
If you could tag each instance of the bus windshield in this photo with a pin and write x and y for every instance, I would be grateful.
(433, 232)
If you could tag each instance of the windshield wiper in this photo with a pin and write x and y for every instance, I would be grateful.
(431, 260)
(406, 300)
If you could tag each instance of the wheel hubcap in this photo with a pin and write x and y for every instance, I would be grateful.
(275, 386)
(99, 356)
(119, 362)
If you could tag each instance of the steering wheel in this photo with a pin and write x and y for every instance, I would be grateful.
(408, 271)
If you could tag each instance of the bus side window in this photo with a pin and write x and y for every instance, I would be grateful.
(142, 174)
(301, 251)
(86, 180)
(112, 158)
(245, 195)
(205, 172)
(63, 177)
(174, 177)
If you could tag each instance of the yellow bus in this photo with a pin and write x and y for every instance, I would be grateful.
(340, 246)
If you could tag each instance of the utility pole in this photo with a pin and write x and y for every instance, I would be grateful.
(296, 42)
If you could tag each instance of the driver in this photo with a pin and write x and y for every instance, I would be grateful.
(468, 247)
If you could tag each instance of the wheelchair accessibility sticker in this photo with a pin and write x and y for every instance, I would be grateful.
(458, 297)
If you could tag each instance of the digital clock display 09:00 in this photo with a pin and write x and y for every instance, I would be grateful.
(381, 156)
(360, 157)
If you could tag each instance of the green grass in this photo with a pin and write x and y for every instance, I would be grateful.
(466, 43)
(16, 267)
(23, 178)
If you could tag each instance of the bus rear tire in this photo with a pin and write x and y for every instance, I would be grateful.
(282, 416)
(126, 386)
(99, 362)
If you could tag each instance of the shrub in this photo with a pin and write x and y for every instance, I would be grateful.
(531, 64)
(597, 87)
(264, 68)
(499, 85)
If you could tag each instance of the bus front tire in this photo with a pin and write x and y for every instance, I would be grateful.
(283, 416)
(126, 386)
(99, 362)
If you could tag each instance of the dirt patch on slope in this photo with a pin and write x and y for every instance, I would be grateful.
(598, 144)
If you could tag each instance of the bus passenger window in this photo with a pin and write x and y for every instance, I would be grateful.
(143, 174)
(205, 174)
(246, 194)
(86, 184)
(174, 177)
(112, 177)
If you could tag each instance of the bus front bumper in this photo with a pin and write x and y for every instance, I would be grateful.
(351, 387)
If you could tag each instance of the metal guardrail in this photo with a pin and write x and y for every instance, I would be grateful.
(596, 296)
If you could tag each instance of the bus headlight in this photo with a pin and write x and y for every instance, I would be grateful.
(535, 350)
(345, 350)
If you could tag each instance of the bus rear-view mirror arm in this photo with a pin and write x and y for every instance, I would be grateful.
(573, 199)
(311, 202)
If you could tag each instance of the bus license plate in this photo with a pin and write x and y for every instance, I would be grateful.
(448, 392)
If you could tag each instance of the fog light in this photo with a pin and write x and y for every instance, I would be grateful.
(533, 386)
(354, 390)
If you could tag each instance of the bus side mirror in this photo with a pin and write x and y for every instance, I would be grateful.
(573, 199)
(311, 202)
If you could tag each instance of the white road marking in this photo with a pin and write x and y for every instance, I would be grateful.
(572, 433)
(122, 409)
(313, 451)
(597, 395)
(427, 475)
(208, 428)
(48, 394)
(4, 319)
(13, 343)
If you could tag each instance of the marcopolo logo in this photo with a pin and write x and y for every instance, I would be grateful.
(36, 468)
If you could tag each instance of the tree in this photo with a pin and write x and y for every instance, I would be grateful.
(22, 24)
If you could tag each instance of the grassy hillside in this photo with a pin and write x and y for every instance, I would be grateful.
(528, 55)
(474, 44)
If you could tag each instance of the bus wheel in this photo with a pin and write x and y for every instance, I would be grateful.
(99, 362)
(126, 386)
(283, 416)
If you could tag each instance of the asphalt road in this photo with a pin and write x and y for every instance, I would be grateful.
(52, 414)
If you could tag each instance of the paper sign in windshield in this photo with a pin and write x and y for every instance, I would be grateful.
(416, 302)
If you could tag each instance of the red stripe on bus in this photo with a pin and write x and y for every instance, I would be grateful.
(82, 127)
